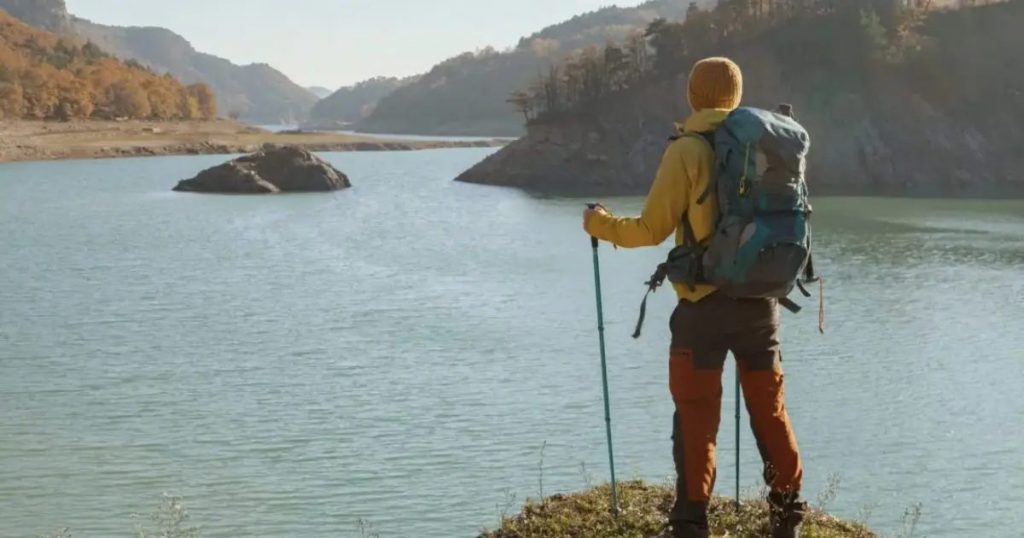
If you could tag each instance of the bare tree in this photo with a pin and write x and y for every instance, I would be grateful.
(523, 101)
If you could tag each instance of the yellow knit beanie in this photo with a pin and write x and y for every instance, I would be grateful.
(715, 83)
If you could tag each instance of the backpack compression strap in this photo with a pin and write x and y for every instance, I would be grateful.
(661, 273)
(788, 304)
(808, 277)
(657, 279)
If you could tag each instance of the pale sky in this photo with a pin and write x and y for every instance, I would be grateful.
(333, 43)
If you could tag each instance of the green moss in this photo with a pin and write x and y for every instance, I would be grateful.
(644, 514)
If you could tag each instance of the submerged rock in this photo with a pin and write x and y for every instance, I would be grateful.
(270, 170)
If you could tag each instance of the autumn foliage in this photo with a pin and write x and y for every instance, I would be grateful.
(667, 49)
(44, 76)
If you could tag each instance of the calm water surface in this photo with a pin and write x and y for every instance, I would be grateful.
(399, 352)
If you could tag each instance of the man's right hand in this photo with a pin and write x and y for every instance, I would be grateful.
(590, 211)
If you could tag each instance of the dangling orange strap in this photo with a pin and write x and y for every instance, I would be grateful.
(821, 305)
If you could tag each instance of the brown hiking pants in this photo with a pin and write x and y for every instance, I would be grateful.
(702, 334)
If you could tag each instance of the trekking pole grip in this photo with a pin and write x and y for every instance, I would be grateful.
(592, 206)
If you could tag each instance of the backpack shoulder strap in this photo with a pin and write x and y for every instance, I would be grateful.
(709, 137)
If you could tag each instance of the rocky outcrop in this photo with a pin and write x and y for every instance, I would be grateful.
(945, 123)
(49, 14)
(586, 513)
(269, 171)
(614, 150)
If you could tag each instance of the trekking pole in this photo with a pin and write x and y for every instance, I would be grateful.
(604, 371)
(737, 437)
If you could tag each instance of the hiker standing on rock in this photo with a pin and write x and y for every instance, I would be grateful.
(707, 323)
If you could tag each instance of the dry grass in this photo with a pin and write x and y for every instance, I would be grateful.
(644, 514)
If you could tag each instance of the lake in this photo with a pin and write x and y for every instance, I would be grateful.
(399, 353)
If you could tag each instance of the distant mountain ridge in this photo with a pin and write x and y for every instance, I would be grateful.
(319, 91)
(257, 93)
(353, 103)
(466, 95)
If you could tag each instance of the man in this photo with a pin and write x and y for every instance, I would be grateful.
(707, 325)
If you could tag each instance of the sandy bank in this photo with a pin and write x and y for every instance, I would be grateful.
(38, 141)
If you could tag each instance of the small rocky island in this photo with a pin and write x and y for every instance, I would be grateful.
(274, 169)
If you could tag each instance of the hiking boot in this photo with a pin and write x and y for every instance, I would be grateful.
(689, 520)
(785, 515)
(689, 529)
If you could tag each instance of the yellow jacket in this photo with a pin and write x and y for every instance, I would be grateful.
(684, 174)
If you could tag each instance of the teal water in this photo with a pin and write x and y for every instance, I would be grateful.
(400, 352)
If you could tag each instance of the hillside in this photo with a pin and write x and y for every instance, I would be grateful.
(45, 76)
(897, 103)
(466, 95)
(352, 103)
(257, 93)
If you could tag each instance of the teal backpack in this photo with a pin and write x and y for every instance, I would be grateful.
(761, 246)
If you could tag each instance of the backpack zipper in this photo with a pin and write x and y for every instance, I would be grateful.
(745, 181)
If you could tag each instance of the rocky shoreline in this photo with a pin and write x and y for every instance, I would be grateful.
(44, 141)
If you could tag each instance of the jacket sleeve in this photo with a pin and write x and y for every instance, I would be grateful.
(663, 210)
